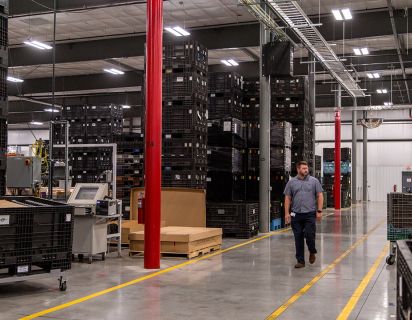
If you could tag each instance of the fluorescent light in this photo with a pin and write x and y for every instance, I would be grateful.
(51, 110)
(365, 51)
(342, 14)
(388, 104)
(36, 123)
(373, 75)
(113, 71)
(337, 15)
(178, 31)
(13, 79)
(381, 91)
(346, 14)
(38, 45)
(182, 31)
(233, 62)
(225, 62)
(357, 52)
(126, 106)
(230, 63)
(172, 31)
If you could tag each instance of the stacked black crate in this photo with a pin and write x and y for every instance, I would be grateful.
(280, 167)
(329, 176)
(184, 161)
(130, 150)
(88, 125)
(251, 113)
(290, 103)
(318, 168)
(226, 206)
(3, 95)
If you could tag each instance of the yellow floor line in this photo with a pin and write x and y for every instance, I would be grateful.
(150, 276)
(320, 275)
(347, 310)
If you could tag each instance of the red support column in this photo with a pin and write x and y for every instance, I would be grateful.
(153, 142)
(337, 185)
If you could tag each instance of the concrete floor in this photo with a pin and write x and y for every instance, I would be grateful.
(249, 282)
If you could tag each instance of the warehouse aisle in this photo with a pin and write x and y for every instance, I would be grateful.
(249, 282)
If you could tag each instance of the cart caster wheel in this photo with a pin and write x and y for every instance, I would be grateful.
(90, 260)
(103, 256)
(390, 260)
(63, 286)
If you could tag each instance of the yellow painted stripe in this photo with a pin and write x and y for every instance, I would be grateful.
(147, 277)
(347, 310)
(302, 291)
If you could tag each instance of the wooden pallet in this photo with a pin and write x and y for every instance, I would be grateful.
(189, 255)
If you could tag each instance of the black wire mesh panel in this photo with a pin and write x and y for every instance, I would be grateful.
(225, 159)
(280, 158)
(251, 100)
(281, 134)
(35, 236)
(404, 280)
(226, 132)
(399, 214)
(179, 56)
(225, 186)
(240, 220)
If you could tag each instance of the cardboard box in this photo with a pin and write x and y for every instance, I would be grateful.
(180, 206)
(130, 226)
(180, 240)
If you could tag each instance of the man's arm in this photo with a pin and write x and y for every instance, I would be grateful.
(319, 198)
(287, 209)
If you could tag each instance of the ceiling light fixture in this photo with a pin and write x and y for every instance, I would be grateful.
(51, 110)
(126, 106)
(342, 14)
(230, 63)
(373, 75)
(361, 51)
(38, 45)
(388, 104)
(13, 79)
(36, 123)
(114, 71)
(178, 31)
(381, 91)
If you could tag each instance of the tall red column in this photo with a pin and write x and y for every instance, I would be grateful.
(337, 185)
(153, 144)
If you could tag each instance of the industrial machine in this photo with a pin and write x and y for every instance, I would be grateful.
(92, 210)
(23, 172)
(407, 181)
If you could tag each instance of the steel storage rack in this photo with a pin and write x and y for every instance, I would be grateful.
(399, 223)
(35, 239)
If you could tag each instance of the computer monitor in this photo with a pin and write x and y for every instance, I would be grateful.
(88, 193)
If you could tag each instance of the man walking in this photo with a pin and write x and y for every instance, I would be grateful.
(304, 192)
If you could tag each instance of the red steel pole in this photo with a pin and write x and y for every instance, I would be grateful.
(337, 186)
(153, 139)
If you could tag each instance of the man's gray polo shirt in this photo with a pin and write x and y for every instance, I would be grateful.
(303, 193)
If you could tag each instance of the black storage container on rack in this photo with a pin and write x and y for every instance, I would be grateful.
(225, 186)
(240, 220)
(280, 158)
(281, 134)
(184, 116)
(252, 186)
(37, 237)
(195, 179)
(179, 56)
(225, 159)
(251, 100)
(252, 129)
(226, 132)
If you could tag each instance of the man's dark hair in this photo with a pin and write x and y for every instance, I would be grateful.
(302, 163)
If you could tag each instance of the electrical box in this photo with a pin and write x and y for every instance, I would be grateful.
(23, 172)
(407, 181)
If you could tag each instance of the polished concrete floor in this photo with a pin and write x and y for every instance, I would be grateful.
(249, 282)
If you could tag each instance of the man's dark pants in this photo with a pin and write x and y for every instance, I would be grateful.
(304, 226)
